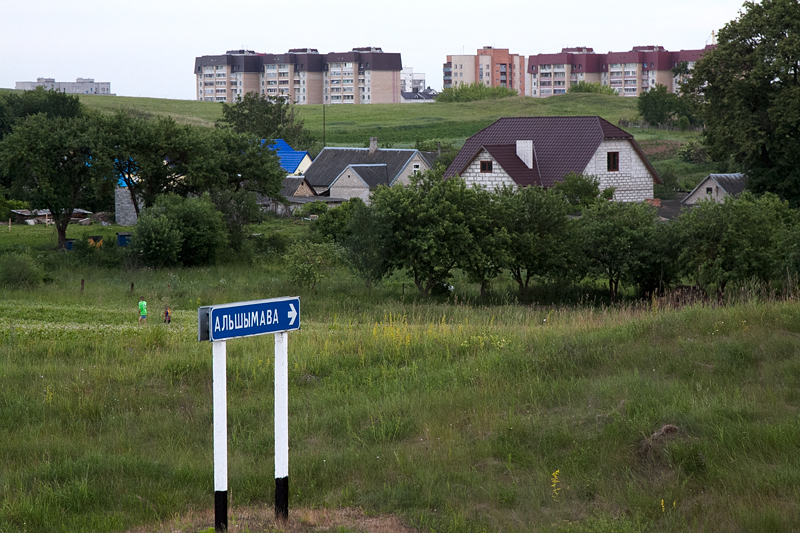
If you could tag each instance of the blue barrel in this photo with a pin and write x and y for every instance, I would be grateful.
(69, 243)
(123, 238)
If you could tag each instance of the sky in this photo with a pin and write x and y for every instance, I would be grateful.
(147, 47)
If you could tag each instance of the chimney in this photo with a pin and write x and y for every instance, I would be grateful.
(373, 145)
(525, 152)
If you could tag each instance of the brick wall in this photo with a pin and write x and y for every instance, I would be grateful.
(349, 185)
(124, 211)
(496, 179)
(633, 182)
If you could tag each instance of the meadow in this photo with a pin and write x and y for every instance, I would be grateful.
(450, 414)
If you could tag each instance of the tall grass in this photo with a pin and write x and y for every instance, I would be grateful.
(453, 415)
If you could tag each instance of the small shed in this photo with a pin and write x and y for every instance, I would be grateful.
(716, 187)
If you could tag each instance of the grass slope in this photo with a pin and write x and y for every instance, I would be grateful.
(454, 417)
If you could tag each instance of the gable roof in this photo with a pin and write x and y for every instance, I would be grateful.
(372, 175)
(290, 185)
(330, 163)
(733, 184)
(561, 145)
(290, 158)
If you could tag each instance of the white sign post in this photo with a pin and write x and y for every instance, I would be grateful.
(218, 323)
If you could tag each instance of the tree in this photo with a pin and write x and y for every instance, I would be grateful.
(474, 91)
(732, 241)
(366, 242)
(589, 87)
(749, 89)
(616, 240)
(429, 227)
(657, 106)
(55, 163)
(541, 239)
(16, 106)
(581, 190)
(266, 117)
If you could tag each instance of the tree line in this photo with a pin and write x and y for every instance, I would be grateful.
(564, 235)
(57, 155)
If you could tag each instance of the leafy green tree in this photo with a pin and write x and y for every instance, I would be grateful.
(472, 92)
(16, 106)
(334, 224)
(541, 237)
(657, 106)
(590, 87)
(485, 220)
(581, 190)
(56, 164)
(429, 227)
(266, 117)
(366, 243)
(156, 241)
(200, 224)
(616, 238)
(749, 89)
(732, 241)
(239, 209)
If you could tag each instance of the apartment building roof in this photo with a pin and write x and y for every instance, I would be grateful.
(560, 145)
(308, 59)
(330, 163)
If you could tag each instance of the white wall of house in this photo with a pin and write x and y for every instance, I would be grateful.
(633, 182)
(404, 176)
(717, 193)
(350, 185)
(497, 179)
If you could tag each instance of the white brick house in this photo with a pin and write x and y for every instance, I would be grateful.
(523, 151)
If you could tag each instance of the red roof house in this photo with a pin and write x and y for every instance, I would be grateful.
(521, 151)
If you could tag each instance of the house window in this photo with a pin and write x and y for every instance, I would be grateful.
(613, 161)
(708, 190)
(486, 166)
(416, 168)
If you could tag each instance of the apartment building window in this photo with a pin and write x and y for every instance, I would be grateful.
(486, 166)
(630, 90)
(559, 91)
(208, 75)
(612, 161)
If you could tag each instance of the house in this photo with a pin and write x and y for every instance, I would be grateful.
(521, 151)
(416, 96)
(294, 162)
(354, 172)
(716, 187)
(297, 192)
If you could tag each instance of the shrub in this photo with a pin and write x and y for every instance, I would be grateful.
(587, 87)
(333, 223)
(157, 241)
(472, 92)
(694, 151)
(314, 208)
(18, 270)
(193, 222)
(309, 262)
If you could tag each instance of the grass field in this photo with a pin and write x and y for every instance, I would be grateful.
(451, 416)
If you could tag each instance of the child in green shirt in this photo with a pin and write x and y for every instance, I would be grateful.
(142, 310)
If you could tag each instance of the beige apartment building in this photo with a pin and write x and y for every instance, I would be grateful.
(629, 73)
(495, 67)
(302, 75)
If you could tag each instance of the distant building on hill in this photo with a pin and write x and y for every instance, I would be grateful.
(491, 66)
(302, 75)
(79, 86)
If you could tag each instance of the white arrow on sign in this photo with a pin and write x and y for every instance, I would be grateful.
(292, 314)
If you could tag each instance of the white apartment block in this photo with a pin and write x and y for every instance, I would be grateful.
(79, 86)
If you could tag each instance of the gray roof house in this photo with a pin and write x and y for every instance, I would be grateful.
(716, 187)
(354, 172)
(522, 151)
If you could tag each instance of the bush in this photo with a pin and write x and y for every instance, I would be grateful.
(309, 262)
(333, 223)
(694, 151)
(18, 270)
(472, 92)
(157, 241)
(314, 208)
(587, 87)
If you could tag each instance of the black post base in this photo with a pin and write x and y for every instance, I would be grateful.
(282, 498)
(221, 510)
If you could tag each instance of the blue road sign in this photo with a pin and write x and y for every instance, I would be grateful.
(245, 319)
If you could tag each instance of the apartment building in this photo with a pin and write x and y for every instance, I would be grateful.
(411, 81)
(495, 67)
(79, 86)
(629, 73)
(302, 75)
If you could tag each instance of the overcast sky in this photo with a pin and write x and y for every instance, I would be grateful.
(147, 47)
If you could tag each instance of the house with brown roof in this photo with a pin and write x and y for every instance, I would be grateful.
(522, 151)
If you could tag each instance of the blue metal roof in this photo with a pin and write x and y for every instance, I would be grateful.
(290, 158)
